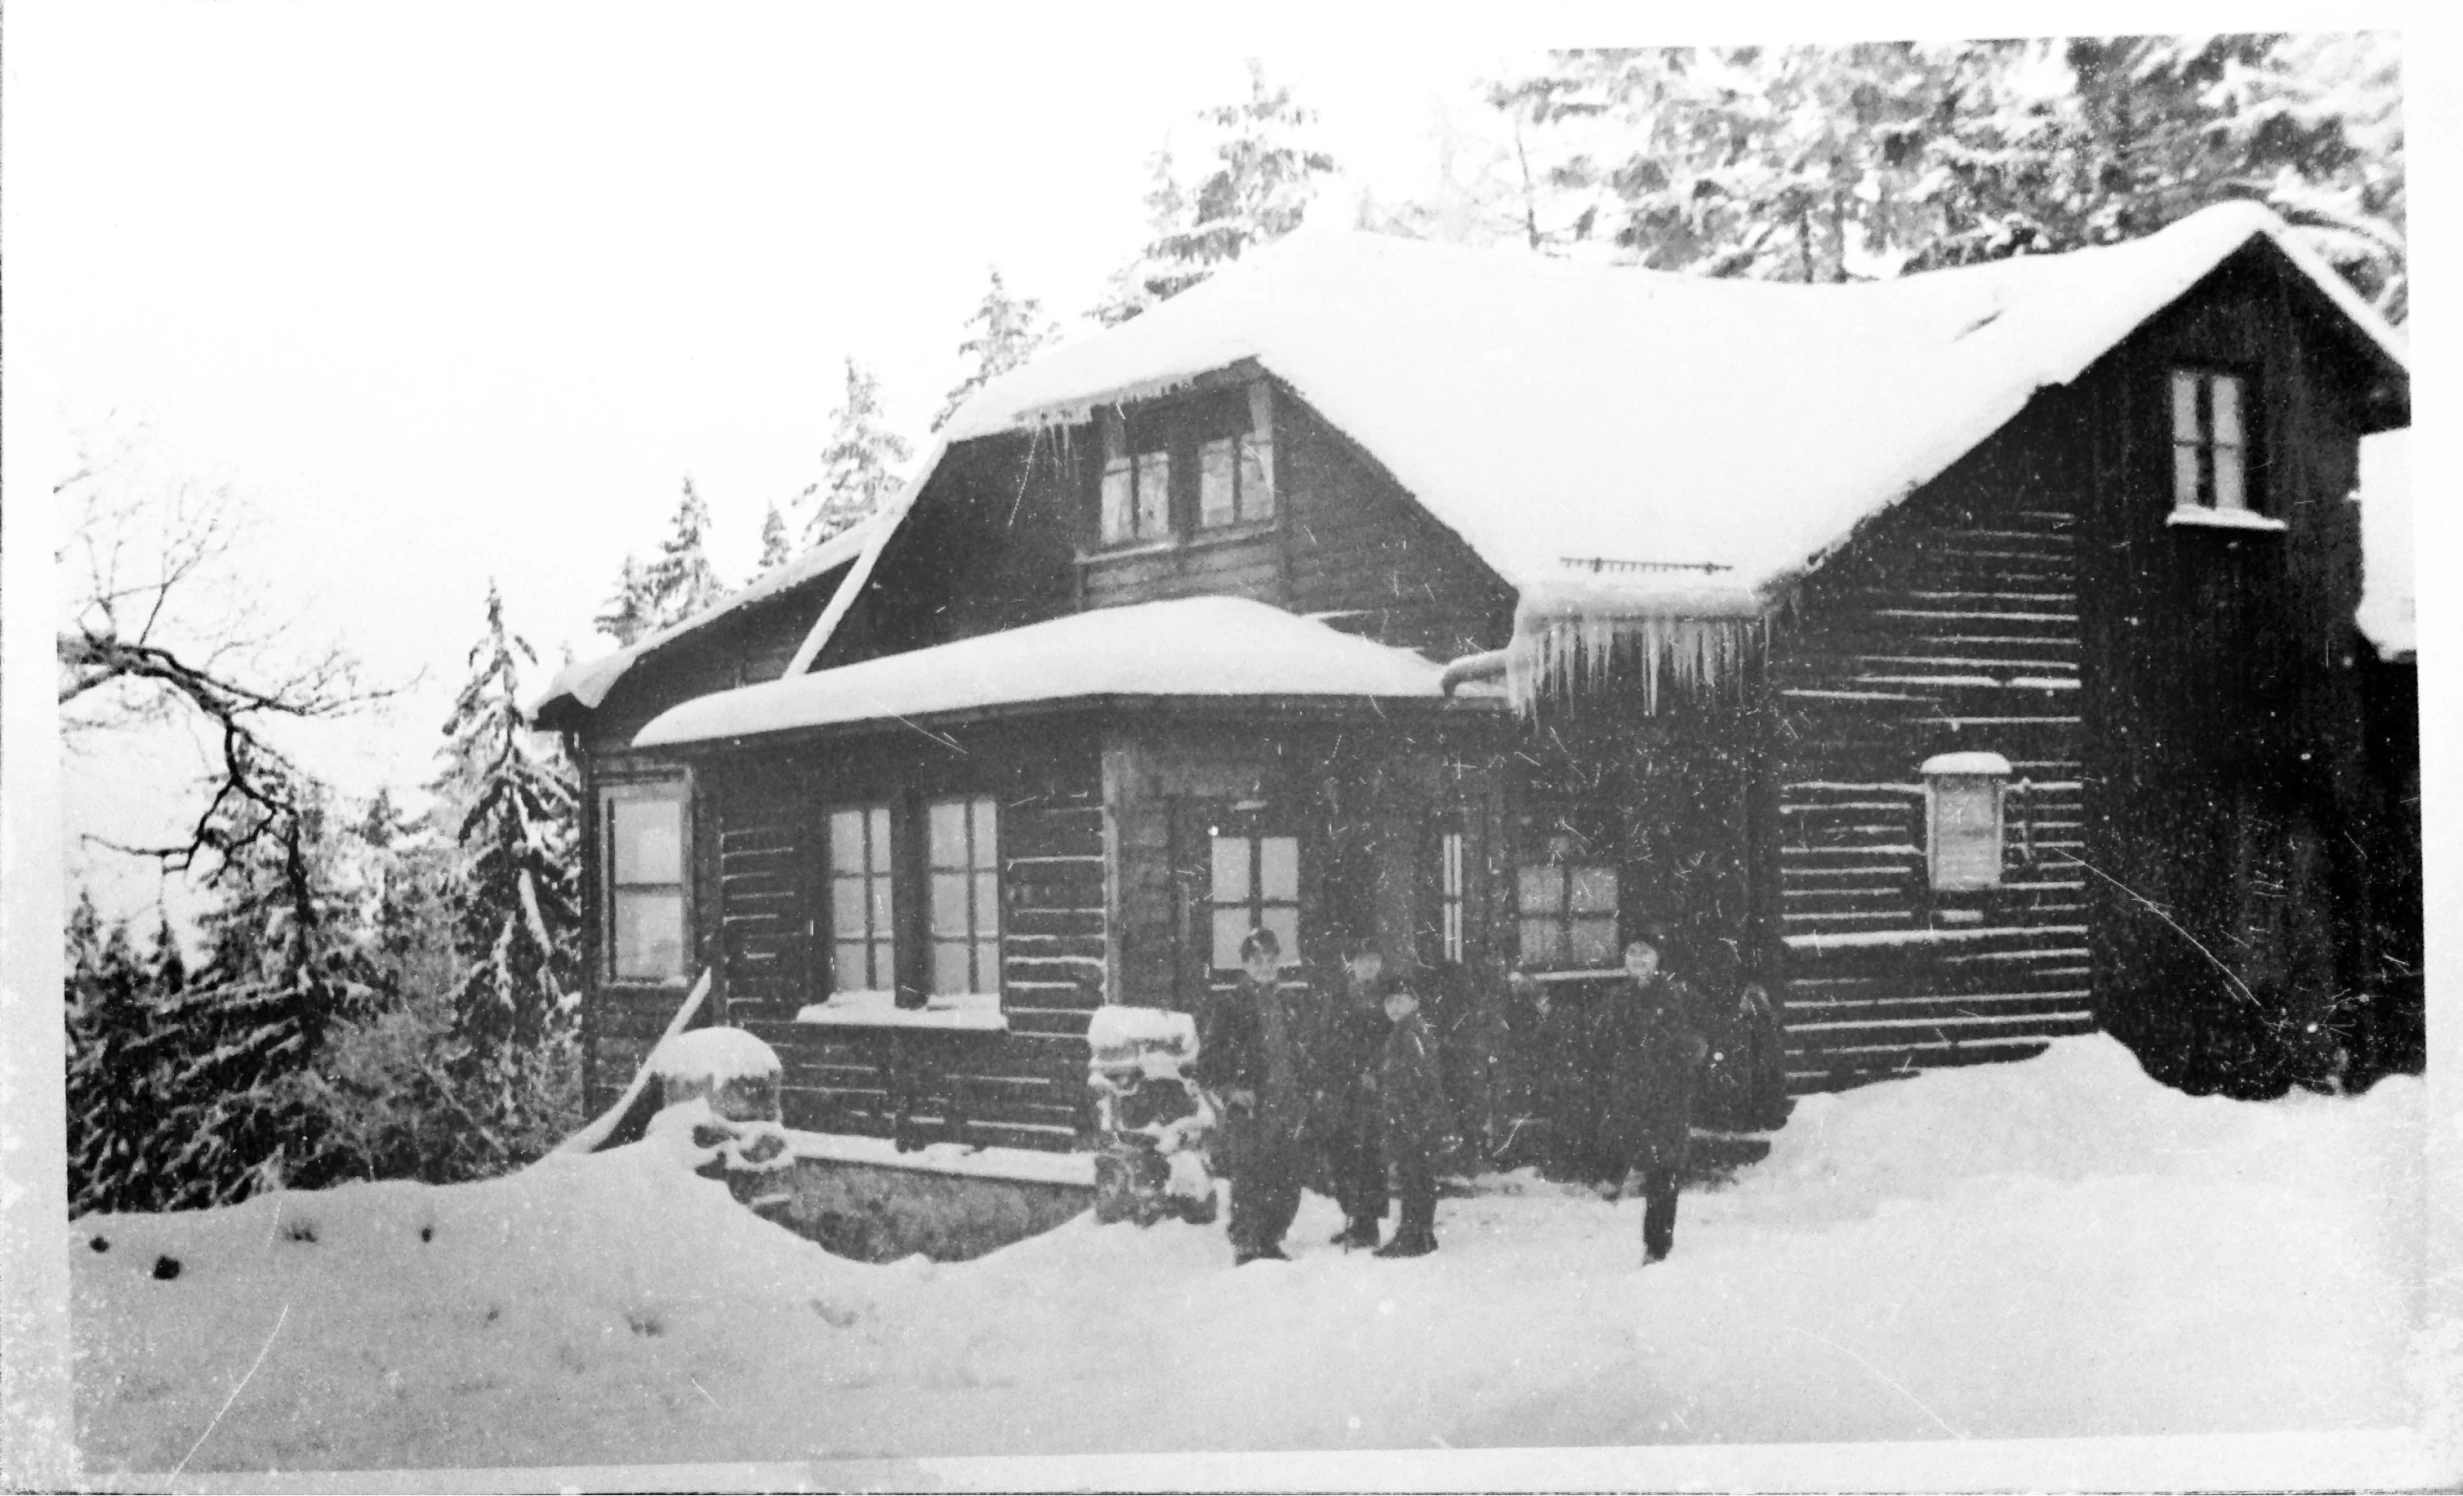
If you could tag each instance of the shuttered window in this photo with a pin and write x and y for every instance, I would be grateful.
(2210, 440)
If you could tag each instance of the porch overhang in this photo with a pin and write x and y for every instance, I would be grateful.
(1205, 655)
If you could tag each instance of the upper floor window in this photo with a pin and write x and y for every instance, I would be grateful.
(1235, 470)
(863, 932)
(1256, 885)
(2210, 442)
(644, 933)
(964, 868)
(1566, 914)
(1963, 823)
(1137, 485)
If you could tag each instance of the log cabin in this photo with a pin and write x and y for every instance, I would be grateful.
(1959, 661)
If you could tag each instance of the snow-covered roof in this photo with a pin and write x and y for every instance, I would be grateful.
(1189, 648)
(587, 682)
(2387, 590)
(1650, 442)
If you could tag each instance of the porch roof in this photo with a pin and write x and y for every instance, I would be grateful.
(1188, 649)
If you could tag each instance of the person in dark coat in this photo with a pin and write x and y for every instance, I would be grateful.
(1350, 1031)
(1249, 1061)
(1556, 1067)
(1653, 1054)
(1412, 1122)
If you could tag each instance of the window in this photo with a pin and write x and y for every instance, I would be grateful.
(964, 869)
(1137, 487)
(863, 944)
(1235, 471)
(1962, 796)
(2210, 446)
(1451, 885)
(1567, 914)
(645, 882)
(1256, 884)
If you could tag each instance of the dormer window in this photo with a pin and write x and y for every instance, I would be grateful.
(1235, 470)
(2210, 441)
(1137, 486)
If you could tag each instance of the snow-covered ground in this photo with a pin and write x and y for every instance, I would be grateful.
(2059, 1247)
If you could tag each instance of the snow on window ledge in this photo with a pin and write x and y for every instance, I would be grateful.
(2224, 519)
(973, 1012)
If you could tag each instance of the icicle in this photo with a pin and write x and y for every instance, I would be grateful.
(1565, 655)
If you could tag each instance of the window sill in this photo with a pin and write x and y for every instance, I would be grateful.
(2225, 519)
(978, 1013)
(1201, 540)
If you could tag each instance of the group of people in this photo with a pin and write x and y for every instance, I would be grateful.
(1347, 1092)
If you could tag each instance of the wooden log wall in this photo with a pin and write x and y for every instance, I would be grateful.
(1023, 1088)
(1952, 624)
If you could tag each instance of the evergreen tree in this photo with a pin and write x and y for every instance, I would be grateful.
(1264, 177)
(858, 467)
(1825, 163)
(633, 610)
(774, 546)
(1004, 333)
(513, 896)
(110, 1085)
(681, 581)
(284, 963)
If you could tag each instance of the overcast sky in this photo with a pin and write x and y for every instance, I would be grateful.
(457, 292)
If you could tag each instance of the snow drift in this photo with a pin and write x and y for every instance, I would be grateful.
(2054, 1247)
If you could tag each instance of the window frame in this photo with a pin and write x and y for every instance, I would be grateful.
(674, 790)
(1963, 772)
(2203, 496)
(1171, 439)
(883, 933)
(1561, 914)
(1255, 832)
(1450, 892)
(973, 874)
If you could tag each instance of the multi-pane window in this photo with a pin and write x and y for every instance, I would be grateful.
(863, 943)
(1235, 471)
(964, 871)
(1567, 914)
(2210, 445)
(1137, 487)
(1256, 885)
(1451, 886)
(645, 882)
(1963, 822)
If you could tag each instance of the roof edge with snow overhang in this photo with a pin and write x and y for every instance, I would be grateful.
(1192, 650)
(585, 683)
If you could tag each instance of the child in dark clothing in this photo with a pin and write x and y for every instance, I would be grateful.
(1411, 1108)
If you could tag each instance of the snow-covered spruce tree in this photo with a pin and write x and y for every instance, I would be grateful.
(284, 964)
(632, 610)
(110, 1087)
(681, 581)
(775, 547)
(1264, 177)
(515, 917)
(859, 467)
(1003, 334)
(1824, 163)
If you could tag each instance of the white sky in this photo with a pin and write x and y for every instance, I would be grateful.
(452, 291)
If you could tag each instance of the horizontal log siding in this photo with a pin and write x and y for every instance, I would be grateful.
(1951, 624)
(1025, 1088)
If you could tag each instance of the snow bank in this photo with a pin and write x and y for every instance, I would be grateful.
(1186, 647)
(713, 1054)
(2026, 1251)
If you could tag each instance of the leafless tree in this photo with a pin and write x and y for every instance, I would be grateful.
(159, 623)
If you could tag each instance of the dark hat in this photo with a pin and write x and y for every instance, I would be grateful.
(1260, 942)
(1654, 936)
